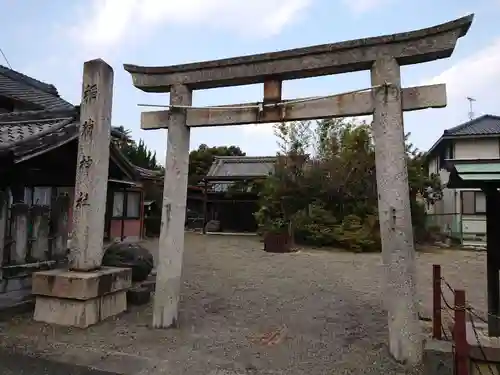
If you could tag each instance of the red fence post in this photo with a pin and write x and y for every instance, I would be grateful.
(460, 335)
(436, 302)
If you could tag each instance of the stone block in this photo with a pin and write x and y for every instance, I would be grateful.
(80, 299)
(81, 285)
(438, 357)
(79, 313)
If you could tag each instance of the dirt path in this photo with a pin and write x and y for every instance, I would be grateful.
(248, 312)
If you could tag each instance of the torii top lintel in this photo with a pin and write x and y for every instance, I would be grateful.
(413, 47)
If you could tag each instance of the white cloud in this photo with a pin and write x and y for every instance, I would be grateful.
(363, 6)
(477, 75)
(112, 22)
(259, 129)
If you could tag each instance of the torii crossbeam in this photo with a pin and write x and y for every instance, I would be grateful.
(385, 99)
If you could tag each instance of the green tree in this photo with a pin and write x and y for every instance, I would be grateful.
(330, 197)
(140, 155)
(137, 153)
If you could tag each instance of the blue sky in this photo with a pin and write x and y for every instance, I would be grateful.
(50, 40)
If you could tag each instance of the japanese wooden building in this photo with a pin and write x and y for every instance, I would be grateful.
(38, 162)
(231, 190)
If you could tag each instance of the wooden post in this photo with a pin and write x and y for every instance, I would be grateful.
(492, 260)
(92, 166)
(205, 205)
(20, 213)
(124, 213)
(436, 302)
(59, 217)
(40, 244)
(398, 252)
(171, 243)
(460, 334)
(142, 214)
(4, 206)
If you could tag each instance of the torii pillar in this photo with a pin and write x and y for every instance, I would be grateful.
(396, 231)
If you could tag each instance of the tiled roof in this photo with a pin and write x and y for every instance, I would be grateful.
(138, 172)
(251, 166)
(484, 125)
(25, 133)
(149, 174)
(20, 87)
(29, 133)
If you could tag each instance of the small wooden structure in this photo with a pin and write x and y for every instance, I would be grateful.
(230, 194)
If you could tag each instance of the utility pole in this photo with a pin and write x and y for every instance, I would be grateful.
(471, 113)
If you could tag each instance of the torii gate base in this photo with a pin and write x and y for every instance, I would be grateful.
(386, 101)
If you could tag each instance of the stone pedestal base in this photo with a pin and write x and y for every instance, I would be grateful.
(80, 299)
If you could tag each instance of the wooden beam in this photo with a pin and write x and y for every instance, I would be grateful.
(412, 47)
(343, 105)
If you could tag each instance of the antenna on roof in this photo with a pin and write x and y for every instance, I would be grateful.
(471, 113)
(5, 58)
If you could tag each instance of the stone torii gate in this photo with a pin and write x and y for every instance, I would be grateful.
(386, 100)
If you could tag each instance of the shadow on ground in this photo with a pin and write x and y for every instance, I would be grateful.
(19, 364)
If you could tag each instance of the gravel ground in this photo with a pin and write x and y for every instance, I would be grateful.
(244, 311)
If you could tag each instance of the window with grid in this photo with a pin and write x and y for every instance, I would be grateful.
(473, 202)
(127, 204)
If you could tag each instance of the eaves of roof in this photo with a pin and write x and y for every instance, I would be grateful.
(25, 89)
(256, 165)
(486, 126)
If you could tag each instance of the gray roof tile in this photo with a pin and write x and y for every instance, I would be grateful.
(24, 133)
(20, 87)
(251, 166)
(28, 133)
(484, 125)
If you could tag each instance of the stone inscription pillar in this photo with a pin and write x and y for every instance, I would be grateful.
(171, 243)
(396, 230)
(88, 293)
(92, 166)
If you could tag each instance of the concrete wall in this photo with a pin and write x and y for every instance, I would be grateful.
(479, 148)
(131, 229)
